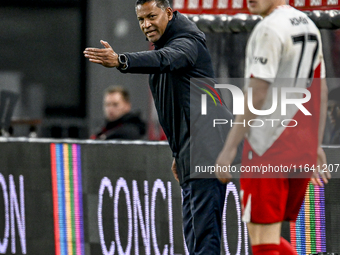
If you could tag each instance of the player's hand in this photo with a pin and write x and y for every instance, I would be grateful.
(224, 159)
(174, 170)
(324, 173)
(105, 56)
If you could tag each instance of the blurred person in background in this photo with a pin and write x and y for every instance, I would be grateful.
(120, 122)
(334, 115)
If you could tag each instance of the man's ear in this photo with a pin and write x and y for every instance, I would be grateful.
(169, 12)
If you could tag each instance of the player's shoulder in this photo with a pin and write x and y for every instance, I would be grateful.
(290, 18)
(285, 20)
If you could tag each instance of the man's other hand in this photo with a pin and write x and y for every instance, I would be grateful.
(174, 170)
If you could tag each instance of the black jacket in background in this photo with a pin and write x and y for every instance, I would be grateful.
(180, 55)
(127, 127)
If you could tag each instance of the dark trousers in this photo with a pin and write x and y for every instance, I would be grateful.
(203, 202)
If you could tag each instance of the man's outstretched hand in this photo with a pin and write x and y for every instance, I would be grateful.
(105, 56)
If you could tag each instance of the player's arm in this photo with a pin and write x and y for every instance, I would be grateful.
(237, 132)
(323, 109)
(322, 123)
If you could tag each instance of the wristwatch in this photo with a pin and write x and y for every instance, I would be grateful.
(123, 62)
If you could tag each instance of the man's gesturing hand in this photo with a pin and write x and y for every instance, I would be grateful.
(106, 56)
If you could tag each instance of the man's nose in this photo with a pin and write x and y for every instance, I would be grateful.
(146, 23)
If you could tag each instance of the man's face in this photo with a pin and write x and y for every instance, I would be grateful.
(153, 20)
(334, 111)
(115, 106)
(262, 7)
